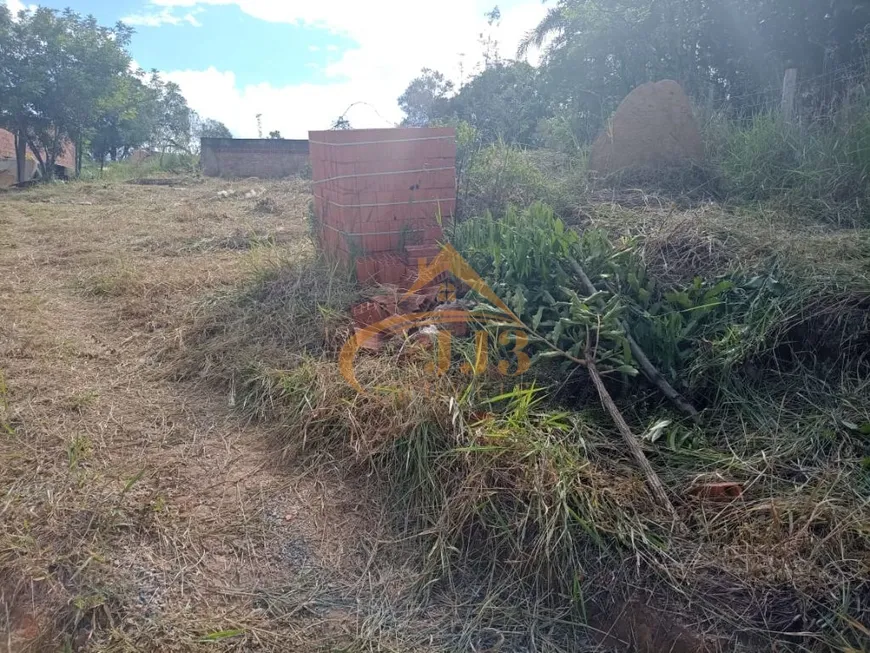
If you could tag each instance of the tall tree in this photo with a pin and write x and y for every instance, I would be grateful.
(8, 78)
(126, 119)
(207, 128)
(426, 98)
(172, 126)
(97, 67)
(72, 64)
(216, 129)
(55, 69)
(20, 90)
(502, 102)
(598, 50)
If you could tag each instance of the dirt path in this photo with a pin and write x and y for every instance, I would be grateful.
(139, 513)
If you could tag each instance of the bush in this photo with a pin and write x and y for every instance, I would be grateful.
(169, 163)
(500, 175)
(819, 169)
(761, 160)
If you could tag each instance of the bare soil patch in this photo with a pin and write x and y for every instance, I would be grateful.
(139, 513)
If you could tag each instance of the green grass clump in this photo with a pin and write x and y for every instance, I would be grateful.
(498, 175)
(294, 307)
(170, 163)
(816, 168)
(762, 160)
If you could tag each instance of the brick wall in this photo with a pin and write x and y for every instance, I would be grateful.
(253, 157)
(379, 191)
(7, 151)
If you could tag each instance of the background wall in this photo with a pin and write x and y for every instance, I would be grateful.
(241, 157)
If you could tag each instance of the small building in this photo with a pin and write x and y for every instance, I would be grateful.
(253, 157)
(65, 164)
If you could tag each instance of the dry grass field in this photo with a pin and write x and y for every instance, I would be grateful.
(184, 469)
(140, 513)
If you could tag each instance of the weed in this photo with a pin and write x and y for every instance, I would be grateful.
(239, 240)
(123, 280)
(817, 169)
(267, 205)
(5, 417)
(522, 522)
(78, 449)
(295, 302)
(80, 401)
(500, 175)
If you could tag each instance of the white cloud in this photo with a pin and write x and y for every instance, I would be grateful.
(163, 17)
(394, 40)
(291, 109)
(16, 6)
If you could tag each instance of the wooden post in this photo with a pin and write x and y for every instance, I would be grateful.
(21, 155)
(789, 93)
(711, 99)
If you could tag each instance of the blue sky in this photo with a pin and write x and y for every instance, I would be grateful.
(301, 63)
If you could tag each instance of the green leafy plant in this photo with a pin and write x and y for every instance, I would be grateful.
(526, 257)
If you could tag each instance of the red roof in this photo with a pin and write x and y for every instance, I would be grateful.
(7, 150)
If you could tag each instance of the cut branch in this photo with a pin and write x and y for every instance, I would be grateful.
(652, 479)
(649, 370)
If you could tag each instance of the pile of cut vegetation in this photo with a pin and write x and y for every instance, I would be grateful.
(685, 466)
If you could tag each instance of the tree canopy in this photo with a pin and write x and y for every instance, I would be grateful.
(215, 129)
(594, 52)
(65, 79)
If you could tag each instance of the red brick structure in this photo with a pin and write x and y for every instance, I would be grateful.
(267, 158)
(383, 196)
(8, 169)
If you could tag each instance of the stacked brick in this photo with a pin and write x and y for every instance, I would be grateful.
(383, 196)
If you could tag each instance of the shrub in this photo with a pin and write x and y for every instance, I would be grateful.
(499, 175)
(169, 163)
(819, 168)
(761, 160)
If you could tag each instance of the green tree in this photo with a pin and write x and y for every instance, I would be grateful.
(215, 129)
(20, 88)
(207, 128)
(503, 103)
(56, 69)
(67, 66)
(126, 119)
(96, 64)
(426, 99)
(596, 51)
(275, 135)
(12, 91)
(172, 125)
